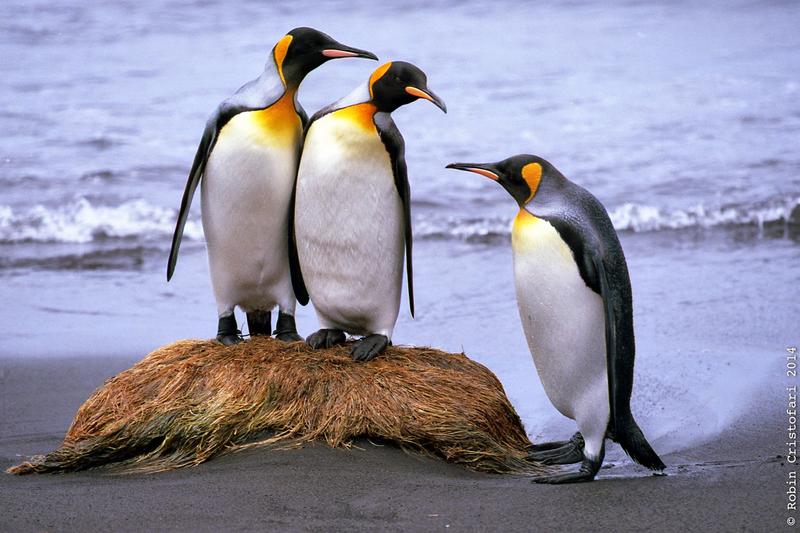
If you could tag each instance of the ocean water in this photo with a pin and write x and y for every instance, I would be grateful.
(683, 118)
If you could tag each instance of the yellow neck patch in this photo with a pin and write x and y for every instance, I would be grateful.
(280, 51)
(278, 124)
(378, 74)
(531, 234)
(524, 220)
(520, 230)
(359, 114)
(532, 174)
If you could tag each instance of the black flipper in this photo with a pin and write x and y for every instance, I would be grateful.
(395, 145)
(298, 284)
(198, 167)
(619, 361)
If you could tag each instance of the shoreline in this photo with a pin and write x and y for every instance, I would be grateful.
(733, 481)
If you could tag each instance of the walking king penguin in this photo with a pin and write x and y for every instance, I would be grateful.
(574, 298)
(352, 212)
(248, 158)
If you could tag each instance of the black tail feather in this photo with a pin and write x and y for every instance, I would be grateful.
(632, 440)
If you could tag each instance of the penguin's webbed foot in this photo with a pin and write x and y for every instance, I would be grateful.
(229, 340)
(577, 439)
(559, 453)
(587, 471)
(325, 338)
(286, 329)
(369, 347)
(227, 332)
(289, 337)
(566, 455)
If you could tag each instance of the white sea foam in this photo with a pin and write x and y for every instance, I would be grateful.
(82, 222)
(627, 217)
(483, 230)
(643, 218)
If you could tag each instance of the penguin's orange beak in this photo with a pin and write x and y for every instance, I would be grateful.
(341, 50)
(428, 95)
(477, 168)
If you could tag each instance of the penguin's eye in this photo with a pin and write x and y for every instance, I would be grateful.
(397, 78)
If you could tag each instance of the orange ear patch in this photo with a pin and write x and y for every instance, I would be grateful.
(280, 54)
(378, 74)
(532, 174)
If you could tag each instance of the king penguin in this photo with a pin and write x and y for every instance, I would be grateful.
(248, 159)
(575, 303)
(352, 212)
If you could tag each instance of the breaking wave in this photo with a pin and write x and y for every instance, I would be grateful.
(639, 218)
(627, 217)
(83, 222)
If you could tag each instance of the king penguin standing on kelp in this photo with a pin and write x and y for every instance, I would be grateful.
(353, 212)
(574, 298)
(248, 160)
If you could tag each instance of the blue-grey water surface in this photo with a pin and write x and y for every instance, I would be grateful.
(682, 117)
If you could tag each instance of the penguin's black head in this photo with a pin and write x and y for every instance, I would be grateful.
(520, 175)
(303, 49)
(399, 83)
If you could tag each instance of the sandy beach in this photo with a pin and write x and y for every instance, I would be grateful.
(736, 482)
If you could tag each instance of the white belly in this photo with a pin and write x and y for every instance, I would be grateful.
(563, 321)
(246, 191)
(349, 226)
